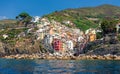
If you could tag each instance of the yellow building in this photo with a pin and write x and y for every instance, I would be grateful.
(91, 34)
(92, 37)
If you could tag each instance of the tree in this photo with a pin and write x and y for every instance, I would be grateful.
(109, 26)
(24, 18)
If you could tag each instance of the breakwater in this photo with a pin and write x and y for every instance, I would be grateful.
(60, 57)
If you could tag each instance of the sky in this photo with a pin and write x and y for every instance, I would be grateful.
(9, 9)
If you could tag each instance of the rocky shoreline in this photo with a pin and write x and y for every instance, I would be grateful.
(70, 57)
(94, 50)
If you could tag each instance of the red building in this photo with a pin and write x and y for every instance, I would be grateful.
(57, 45)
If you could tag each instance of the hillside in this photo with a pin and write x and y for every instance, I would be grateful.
(89, 16)
(7, 23)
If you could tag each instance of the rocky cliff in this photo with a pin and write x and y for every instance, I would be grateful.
(101, 48)
(23, 47)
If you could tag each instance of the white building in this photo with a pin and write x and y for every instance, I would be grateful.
(80, 38)
(48, 39)
(5, 36)
(76, 31)
(40, 34)
(91, 30)
(69, 44)
(44, 21)
(36, 19)
(66, 22)
(48, 42)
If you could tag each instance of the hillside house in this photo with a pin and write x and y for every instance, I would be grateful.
(80, 45)
(57, 45)
(69, 23)
(36, 19)
(69, 45)
(5, 36)
(51, 30)
(40, 34)
(48, 39)
(66, 22)
(91, 33)
(77, 31)
(44, 21)
(80, 39)
(92, 37)
(63, 47)
(48, 42)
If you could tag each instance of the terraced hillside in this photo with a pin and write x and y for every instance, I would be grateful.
(85, 18)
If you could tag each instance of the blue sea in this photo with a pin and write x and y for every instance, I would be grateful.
(12, 66)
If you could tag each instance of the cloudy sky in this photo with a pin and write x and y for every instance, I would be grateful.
(11, 8)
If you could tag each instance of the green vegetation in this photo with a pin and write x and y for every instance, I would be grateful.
(81, 16)
(24, 18)
(109, 26)
(118, 37)
(85, 24)
(7, 23)
(12, 35)
(99, 35)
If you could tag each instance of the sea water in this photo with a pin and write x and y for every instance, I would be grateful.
(24, 66)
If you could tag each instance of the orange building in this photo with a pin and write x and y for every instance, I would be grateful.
(92, 37)
(91, 34)
(51, 32)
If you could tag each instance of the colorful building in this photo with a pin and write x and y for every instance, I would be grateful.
(48, 39)
(51, 32)
(92, 37)
(57, 45)
(91, 33)
(69, 44)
